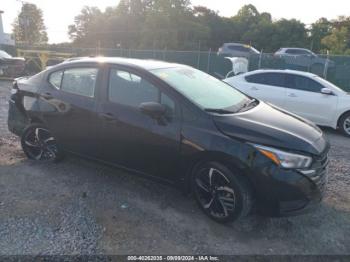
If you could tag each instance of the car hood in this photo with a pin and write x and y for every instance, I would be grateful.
(272, 126)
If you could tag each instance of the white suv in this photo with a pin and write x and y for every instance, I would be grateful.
(302, 93)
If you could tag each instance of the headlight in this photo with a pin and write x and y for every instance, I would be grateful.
(285, 159)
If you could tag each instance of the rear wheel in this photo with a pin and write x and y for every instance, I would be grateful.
(344, 124)
(39, 144)
(223, 194)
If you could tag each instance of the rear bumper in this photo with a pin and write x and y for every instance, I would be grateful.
(16, 121)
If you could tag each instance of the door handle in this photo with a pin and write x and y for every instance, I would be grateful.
(108, 116)
(292, 95)
(47, 95)
(254, 88)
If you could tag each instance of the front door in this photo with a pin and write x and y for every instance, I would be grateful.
(304, 98)
(128, 137)
(268, 87)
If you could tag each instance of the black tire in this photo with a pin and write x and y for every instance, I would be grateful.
(38, 144)
(228, 198)
(344, 124)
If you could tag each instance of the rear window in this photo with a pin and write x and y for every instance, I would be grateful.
(297, 52)
(80, 81)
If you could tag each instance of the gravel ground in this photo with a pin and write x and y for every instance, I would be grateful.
(81, 207)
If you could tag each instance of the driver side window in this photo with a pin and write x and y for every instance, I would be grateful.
(129, 89)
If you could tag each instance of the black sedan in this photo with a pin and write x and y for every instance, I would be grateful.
(176, 124)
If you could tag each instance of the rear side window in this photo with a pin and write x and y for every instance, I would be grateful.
(303, 83)
(297, 52)
(55, 79)
(80, 81)
(238, 48)
(273, 79)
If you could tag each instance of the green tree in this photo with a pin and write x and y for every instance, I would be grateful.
(258, 29)
(29, 27)
(246, 18)
(219, 28)
(338, 42)
(84, 31)
(175, 24)
(289, 33)
(319, 30)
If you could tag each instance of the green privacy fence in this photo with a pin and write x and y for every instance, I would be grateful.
(336, 69)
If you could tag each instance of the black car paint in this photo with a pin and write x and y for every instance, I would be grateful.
(127, 138)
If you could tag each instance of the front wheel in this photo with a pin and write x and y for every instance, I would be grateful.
(39, 144)
(222, 194)
(344, 124)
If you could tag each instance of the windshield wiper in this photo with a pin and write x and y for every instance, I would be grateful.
(247, 105)
(218, 111)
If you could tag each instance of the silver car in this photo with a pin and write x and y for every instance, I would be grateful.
(302, 57)
(237, 50)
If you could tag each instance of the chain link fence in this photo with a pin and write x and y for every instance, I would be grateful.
(335, 69)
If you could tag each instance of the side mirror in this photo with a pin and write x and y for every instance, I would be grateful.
(154, 110)
(326, 91)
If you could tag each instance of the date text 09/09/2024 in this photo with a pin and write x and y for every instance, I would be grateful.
(173, 258)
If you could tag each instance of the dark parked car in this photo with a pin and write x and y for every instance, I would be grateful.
(11, 66)
(177, 124)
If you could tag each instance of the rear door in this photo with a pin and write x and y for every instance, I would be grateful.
(69, 108)
(267, 86)
(128, 137)
(304, 98)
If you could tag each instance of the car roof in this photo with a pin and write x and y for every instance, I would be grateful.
(145, 64)
(238, 44)
(295, 48)
(295, 72)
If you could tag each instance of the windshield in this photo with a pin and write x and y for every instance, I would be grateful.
(202, 89)
(3, 54)
(254, 50)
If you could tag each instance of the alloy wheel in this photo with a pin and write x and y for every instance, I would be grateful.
(214, 192)
(39, 144)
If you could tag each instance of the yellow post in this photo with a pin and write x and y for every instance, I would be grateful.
(44, 57)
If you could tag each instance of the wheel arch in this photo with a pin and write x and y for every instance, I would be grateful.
(213, 156)
(341, 115)
(36, 120)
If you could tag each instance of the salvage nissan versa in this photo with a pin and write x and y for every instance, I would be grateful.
(179, 125)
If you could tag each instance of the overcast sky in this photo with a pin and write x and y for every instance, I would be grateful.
(58, 14)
